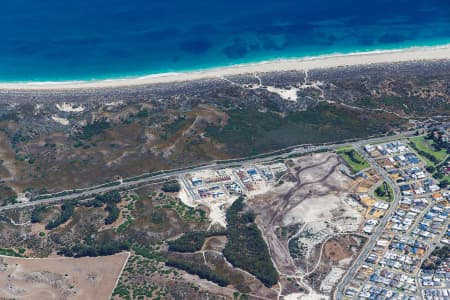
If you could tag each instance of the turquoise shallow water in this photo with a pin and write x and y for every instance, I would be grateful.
(53, 40)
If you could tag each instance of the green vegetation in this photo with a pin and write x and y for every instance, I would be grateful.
(139, 286)
(437, 257)
(36, 214)
(171, 187)
(426, 149)
(113, 213)
(10, 252)
(444, 183)
(94, 249)
(353, 159)
(147, 253)
(201, 271)
(188, 214)
(67, 210)
(384, 192)
(191, 241)
(94, 128)
(411, 105)
(122, 227)
(174, 127)
(249, 131)
(110, 199)
(246, 249)
(142, 114)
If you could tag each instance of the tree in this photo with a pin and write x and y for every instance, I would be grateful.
(430, 169)
(171, 187)
(444, 184)
(380, 192)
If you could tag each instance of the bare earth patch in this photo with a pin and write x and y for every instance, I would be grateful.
(60, 278)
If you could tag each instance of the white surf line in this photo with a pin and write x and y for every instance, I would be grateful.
(120, 275)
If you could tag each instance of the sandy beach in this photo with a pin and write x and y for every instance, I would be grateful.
(308, 63)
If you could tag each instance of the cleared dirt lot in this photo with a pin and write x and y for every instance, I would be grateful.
(60, 278)
(313, 195)
(299, 215)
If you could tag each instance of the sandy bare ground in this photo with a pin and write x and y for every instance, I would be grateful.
(60, 278)
(317, 189)
(319, 62)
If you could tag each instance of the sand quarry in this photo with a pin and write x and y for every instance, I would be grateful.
(60, 278)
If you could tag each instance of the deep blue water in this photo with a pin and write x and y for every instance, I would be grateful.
(44, 40)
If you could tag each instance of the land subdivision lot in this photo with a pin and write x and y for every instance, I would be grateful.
(312, 205)
(60, 278)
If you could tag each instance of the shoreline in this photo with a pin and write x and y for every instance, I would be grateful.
(413, 54)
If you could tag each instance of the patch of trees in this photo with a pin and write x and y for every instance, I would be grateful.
(351, 155)
(380, 192)
(437, 257)
(110, 199)
(438, 142)
(430, 169)
(444, 184)
(201, 271)
(94, 128)
(36, 214)
(383, 191)
(67, 210)
(246, 249)
(427, 155)
(9, 252)
(171, 187)
(98, 249)
(147, 253)
(113, 213)
(191, 241)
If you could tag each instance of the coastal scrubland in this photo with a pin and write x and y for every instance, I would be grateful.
(133, 131)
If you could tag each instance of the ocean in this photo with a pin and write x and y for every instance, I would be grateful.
(54, 40)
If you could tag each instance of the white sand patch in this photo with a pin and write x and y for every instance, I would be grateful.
(114, 103)
(285, 94)
(283, 65)
(60, 120)
(300, 296)
(184, 197)
(22, 198)
(217, 215)
(332, 278)
(67, 107)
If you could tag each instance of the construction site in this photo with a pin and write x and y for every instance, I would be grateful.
(313, 213)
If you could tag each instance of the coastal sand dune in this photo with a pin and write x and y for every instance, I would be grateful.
(309, 63)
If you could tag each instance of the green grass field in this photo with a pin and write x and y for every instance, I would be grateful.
(353, 159)
(426, 146)
(387, 192)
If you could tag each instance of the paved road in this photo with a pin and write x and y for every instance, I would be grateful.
(339, 294)
(164, 175)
